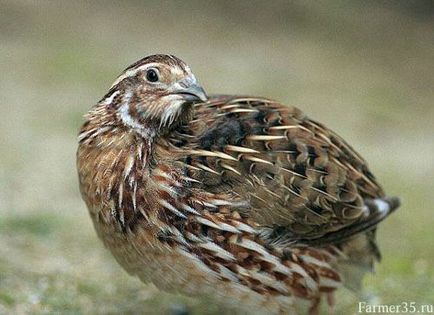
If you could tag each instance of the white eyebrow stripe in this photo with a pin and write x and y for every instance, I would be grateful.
(132, 72)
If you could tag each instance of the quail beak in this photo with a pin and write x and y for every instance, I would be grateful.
(192, 93)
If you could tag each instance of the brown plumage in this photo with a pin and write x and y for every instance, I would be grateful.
(239, 198)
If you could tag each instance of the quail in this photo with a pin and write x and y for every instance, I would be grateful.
(237, 198)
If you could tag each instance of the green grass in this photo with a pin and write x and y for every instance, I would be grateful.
(363, 68)
(37, 225)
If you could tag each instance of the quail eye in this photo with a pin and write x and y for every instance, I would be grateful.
(152, 75)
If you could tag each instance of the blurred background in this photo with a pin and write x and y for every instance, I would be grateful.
(364, 68)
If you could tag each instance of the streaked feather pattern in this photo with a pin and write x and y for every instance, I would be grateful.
(240, 198)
